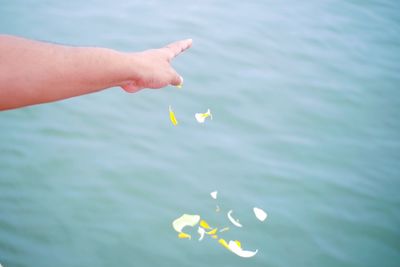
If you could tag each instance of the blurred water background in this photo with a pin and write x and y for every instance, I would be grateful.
(305, 97)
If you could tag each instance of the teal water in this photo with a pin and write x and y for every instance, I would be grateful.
(306, 105)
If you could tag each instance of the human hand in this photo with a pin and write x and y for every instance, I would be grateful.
(152, 68)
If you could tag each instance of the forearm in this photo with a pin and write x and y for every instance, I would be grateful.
(34, 72)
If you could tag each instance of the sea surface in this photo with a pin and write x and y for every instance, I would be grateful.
(305, 97)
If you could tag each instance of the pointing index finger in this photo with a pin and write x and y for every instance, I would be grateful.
(178, 47)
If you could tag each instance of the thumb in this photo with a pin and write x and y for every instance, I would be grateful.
(176, 80)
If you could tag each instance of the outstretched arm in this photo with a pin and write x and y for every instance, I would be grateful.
(33, 72)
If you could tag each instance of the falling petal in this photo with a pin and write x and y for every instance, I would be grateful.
(185, 220)
(172, 116)
(214, 194)
(260, 214)
(233, 221)
(209, 114)
(201, 232)
(236, 248)
(214, 236)
(204, 224)
(201, 117)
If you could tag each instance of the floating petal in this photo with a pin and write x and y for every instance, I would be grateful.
(260, 214)
(212, 232)
(201, 232)
(235, 222)
(185, 220)
(184, 235)
(238, 243)
(214, 194)
(224, 229)
(235, 247)
(223, 242)
(201, 117)
(172, 116)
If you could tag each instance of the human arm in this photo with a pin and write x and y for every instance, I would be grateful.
(33, 72)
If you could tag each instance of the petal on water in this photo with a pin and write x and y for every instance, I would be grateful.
(235, 247)
(260, 214)
(233, 221)
(201, 232)
(185, 220)
(224, 229)
(204, 224)
(212, 232)
(223, 243)
(214, 194)
(184, 235)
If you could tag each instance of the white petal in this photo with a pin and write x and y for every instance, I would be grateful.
(239, 251)
(235, 222)
(209, 113)
(224, 229)
(185, 220)
(201, 232)
(214, 194)
(199, 117)
(260, 214)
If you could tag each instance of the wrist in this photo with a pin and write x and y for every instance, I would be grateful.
(127, 65)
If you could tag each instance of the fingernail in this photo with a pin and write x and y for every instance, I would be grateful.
(181, 84)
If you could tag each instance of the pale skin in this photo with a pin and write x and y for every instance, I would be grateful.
(33, 72)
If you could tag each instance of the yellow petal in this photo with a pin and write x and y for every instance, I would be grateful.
(214, 236)
(204, 224)
(223, 242)
(184, 235)
(200, 117)
(212, 232)
(238, 243)
(172, 116)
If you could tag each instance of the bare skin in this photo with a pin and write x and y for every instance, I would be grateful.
(33, 72)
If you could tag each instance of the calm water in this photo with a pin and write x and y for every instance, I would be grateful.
(306, 103)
